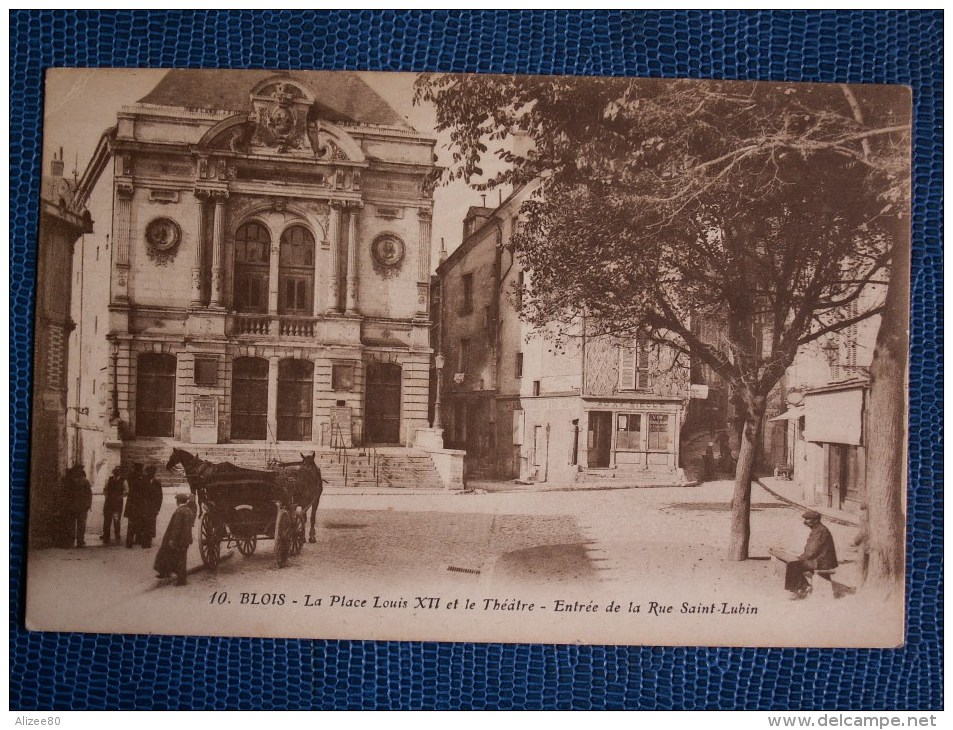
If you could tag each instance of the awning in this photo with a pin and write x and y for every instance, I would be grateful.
(835, 416)
(791, 414)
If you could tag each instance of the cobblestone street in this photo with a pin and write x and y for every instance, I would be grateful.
(665, 543)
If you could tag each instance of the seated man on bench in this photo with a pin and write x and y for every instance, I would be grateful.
(819, 554)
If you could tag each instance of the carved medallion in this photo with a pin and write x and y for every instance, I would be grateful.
(388, 250)
(163, 236)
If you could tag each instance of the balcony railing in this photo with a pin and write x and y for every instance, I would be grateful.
(268, 325)
(296, 326)
(251, 324)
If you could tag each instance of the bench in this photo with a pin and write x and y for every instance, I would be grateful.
(835, 589)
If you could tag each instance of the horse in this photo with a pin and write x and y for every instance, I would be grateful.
(193, 465)
(305, 483)
(301, 479)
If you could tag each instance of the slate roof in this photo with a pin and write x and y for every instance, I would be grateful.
(342, 96)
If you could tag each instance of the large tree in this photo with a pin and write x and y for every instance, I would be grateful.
(769, 207)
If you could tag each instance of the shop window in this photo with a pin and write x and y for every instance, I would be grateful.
(633, 368)
(658, 439)
(342, 376)
(206, 372)
(629, 436)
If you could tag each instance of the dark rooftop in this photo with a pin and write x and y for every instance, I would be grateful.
(342, 96)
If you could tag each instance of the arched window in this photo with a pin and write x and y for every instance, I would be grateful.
(296, 272)
(252, 256)
(295, 399)
(250, 398)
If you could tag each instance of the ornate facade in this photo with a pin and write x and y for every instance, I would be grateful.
(269, 263)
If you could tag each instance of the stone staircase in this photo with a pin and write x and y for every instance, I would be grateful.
(396, 468)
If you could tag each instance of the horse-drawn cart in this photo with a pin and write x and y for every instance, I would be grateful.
(240, 506)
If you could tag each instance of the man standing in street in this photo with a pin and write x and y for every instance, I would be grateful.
(79, 500)
(153, 503)
(819, 554)
(135, 506)
(114, 493)
(173, 552)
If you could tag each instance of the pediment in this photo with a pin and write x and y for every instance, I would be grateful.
(283, 119)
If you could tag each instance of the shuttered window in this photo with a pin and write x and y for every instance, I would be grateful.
(634, 368)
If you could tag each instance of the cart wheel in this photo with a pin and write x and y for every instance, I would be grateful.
(246, 546)
(209, 542)
(283, 533)
(297, 534)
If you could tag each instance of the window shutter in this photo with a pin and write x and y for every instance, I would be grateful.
(626, 368)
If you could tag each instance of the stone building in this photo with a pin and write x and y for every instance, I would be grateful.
(825, 421)
(265, 275)
(524, 408)
(62, 222)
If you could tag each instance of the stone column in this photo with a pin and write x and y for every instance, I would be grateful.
(423, 261)
(352, 246)
(218, 245)
(124, 193)
(195, 298)
(334, 266)
(273, 278)
(273, 397)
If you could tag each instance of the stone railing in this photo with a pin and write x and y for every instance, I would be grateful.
(267, 325)
(296, 326)
(251, 324)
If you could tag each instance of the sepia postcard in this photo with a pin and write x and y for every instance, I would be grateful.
(543, 359)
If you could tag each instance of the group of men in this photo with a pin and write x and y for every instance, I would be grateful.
(143, 500)
(137, 496)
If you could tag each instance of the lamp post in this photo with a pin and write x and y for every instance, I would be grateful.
(438, 362)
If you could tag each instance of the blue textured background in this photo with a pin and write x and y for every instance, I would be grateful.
(79, 671)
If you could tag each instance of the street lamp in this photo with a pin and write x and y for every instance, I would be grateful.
(438, 362)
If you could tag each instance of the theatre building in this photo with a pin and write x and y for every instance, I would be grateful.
(588, 410)
(265, 276)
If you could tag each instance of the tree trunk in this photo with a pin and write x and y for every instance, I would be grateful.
(741, 499)
(886, 442)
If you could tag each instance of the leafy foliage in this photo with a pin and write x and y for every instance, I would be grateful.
(768, 206)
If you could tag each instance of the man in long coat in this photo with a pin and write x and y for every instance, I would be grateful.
(819, 554)
(172, 554)
(135, 506)
(151, 507)
(79, 500)
(114, 492)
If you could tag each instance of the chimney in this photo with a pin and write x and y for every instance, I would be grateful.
(443, 250)
(56, 167)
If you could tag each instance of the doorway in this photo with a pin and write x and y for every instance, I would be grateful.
(295, 399)
(250, 398)
(155, 394)
(600, 439)
(382, 403)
